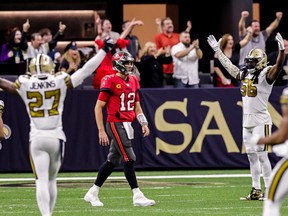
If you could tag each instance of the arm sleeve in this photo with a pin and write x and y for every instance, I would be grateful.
(227, 64)
(88, 68)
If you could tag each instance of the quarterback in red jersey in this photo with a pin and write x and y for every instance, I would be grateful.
(120, 94)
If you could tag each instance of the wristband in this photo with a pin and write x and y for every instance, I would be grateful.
(142, 119)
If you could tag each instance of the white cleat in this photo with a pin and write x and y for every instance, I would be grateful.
(93, 199)
(141, 200)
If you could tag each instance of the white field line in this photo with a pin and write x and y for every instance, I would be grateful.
(138, 177)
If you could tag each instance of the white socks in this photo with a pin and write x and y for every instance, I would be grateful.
(136, 191)
(95, 189)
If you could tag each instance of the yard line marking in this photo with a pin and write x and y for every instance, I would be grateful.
(138, 177)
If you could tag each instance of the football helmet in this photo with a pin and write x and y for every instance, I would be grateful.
(255, 60)
(41, 64)
(123, 62)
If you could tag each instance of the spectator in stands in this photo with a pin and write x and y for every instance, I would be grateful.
(11, 52)
(185, 59)
(71, 60)
(5, 35)
(166, 39)
(134, 47)
(105, 29)
(106, 65)
(48, 37)
(151, 65)
(259, 37)
(38, 47)
(221, 77)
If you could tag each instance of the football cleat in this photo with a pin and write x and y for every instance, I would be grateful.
(140, 200)
(92, 197)
(255, 194)
(262, 198)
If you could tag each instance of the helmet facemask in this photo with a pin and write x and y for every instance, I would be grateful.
(41, 65)
(123, 62)
(255, 60)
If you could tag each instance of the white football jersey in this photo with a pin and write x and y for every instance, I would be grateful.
(255, 98)
(44, 100)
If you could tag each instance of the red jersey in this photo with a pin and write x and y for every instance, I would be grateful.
(104, 68)
(121, 97)
(162, 41)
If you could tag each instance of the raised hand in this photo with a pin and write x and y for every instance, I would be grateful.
(26, 26)
(245, 14)
(62, 27)
(280, 41)
(108, 44)
(214, 44)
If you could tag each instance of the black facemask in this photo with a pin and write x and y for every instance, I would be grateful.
(250, 63)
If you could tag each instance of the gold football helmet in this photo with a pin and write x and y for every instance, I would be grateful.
(41, 64)
(255, 60)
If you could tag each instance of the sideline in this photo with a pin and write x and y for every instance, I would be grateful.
(138, 177)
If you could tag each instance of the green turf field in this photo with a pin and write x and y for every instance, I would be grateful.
(177, 193)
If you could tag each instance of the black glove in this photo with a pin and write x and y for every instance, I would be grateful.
(108, 44)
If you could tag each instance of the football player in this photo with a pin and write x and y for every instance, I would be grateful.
(43, 92)
(2, 134)
(257, 78)
(277, 189)
(120, 94)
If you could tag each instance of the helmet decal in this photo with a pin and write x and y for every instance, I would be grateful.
(41, 64)
(123, 62)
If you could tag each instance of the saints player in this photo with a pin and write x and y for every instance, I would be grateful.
(2, 135)
(257, 81)
(120, 94)
(277, 189)
(43, 93)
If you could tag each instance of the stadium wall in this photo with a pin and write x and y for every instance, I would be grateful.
(190, 129)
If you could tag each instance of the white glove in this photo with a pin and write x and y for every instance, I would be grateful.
(281, 150)
(214, 44)
(280, 41)
(254, 140)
